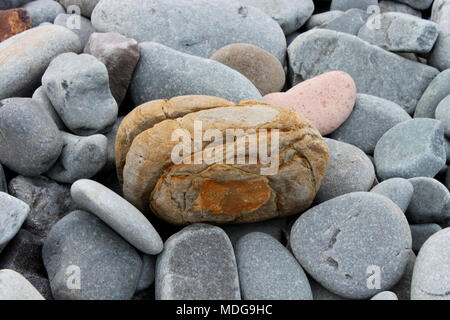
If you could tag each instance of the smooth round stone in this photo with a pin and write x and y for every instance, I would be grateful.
(86, 6)
(256, 64)
(43, 11)
(198, 263)
(385, 295)
(399, 190)
(27, 55)
(371, 118)
(268, 271)
(290, 14)
(13, 286)
(350, 22)
(431, 277)
(440, 56)
(438, 90)
(318, 19)
(344, 5)
(443, 114)
(78, 87)
(413, 148)
(80, 244)
(147, 276)
(421, 232)
(326, 100)
(213, 27)
(13, 213)
(342, 243)
(117, 213)
(3, 185)
(349, 170)
(41, 98)
(30, 142)
(78, 24)
(430, 201)
(82, 157)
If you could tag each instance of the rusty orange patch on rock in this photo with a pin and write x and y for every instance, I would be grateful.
(232, 197)
(13, 21)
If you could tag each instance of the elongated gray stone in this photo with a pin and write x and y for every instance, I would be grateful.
(350, 22)
(374, 70)
(13, 213)
(440, 56)
(160, 66)
(399, 190)
(319, 19)
(197, 263)
(13, 286)
(26, 56)
(438, 89)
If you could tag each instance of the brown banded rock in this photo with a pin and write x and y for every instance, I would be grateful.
(13, 21)
(219, 192)
(256, 64)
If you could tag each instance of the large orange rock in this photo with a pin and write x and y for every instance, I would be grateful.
(225, 191)
(13, 21)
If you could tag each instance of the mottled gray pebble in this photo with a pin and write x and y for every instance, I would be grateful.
(320, 18)
(43, 11)
(438, 89)
(350, 22)
(399, 190)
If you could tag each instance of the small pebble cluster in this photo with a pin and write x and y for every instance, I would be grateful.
(93, 206)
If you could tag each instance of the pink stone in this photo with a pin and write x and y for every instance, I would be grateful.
(326, 100)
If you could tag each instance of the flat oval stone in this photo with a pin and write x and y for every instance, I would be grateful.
(343, 243)
(81, 245)
(268, 271)
(431, 277)
(421, 232)
(163, 21)
(443, 114)
(399, 190)
(370, 119)
(13, 286)
(13, 213)
(118, 213)
(440, 56)
(43, 11)
(256, 64)
(27, 55)
(385, 295)
(197, 263)
(318, 19)
(438, 89)
(326, 100)
(349, 170)
(413, 148)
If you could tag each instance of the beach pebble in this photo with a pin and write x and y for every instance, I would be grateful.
(40, 96)
(371, 118)
(13, 22)
(430, 202)
(440, 56)
(13, 286)
(120, 56)
(349, 170)
(399, 190)
(319, 19)
(214, 26)
(437, 91)
(268, 271)
(403, 288)
(344, 5)
(393, 6)
(375, 71)
(81, 245)
(400, 32)
(78, 87)
(117, 213)
(413, 148)
(49, 201)
(443, 114)
(431, 277)
(147, 276)
(13, 213)
(197, 263)
(160, 66)
(86, 6)
(78, 24)
(344, 242)
(326, 100)
(350, 22)
(256, 64)
(27, 55)
(30, 142)
(81, 157)
(385, 295)
(421, 232)
(43, 11)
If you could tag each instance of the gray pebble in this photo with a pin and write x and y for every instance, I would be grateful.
(13, 286)
(197, 263)
(440, 56)
(421, 232)
(375, 71)
(162, 73)
(343, 244)
(147, 276)
(349, 170)
(344, 5)
(76, 23)
(443, 114)
(41, 98)
(30, 142)
(431, 277)
(86, 6)
(80, 244)
(268, 271)
(13, 213)
(393, 6)
(413, 148)
(321, 18)
(78, 87)
(350, 22)
(385, 295)
(430, 202)
(81, 157)
(370, 119)
(438, 89)
(43, 11)
(399, 190)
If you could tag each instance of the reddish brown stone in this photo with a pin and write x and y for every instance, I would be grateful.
(13, 21)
